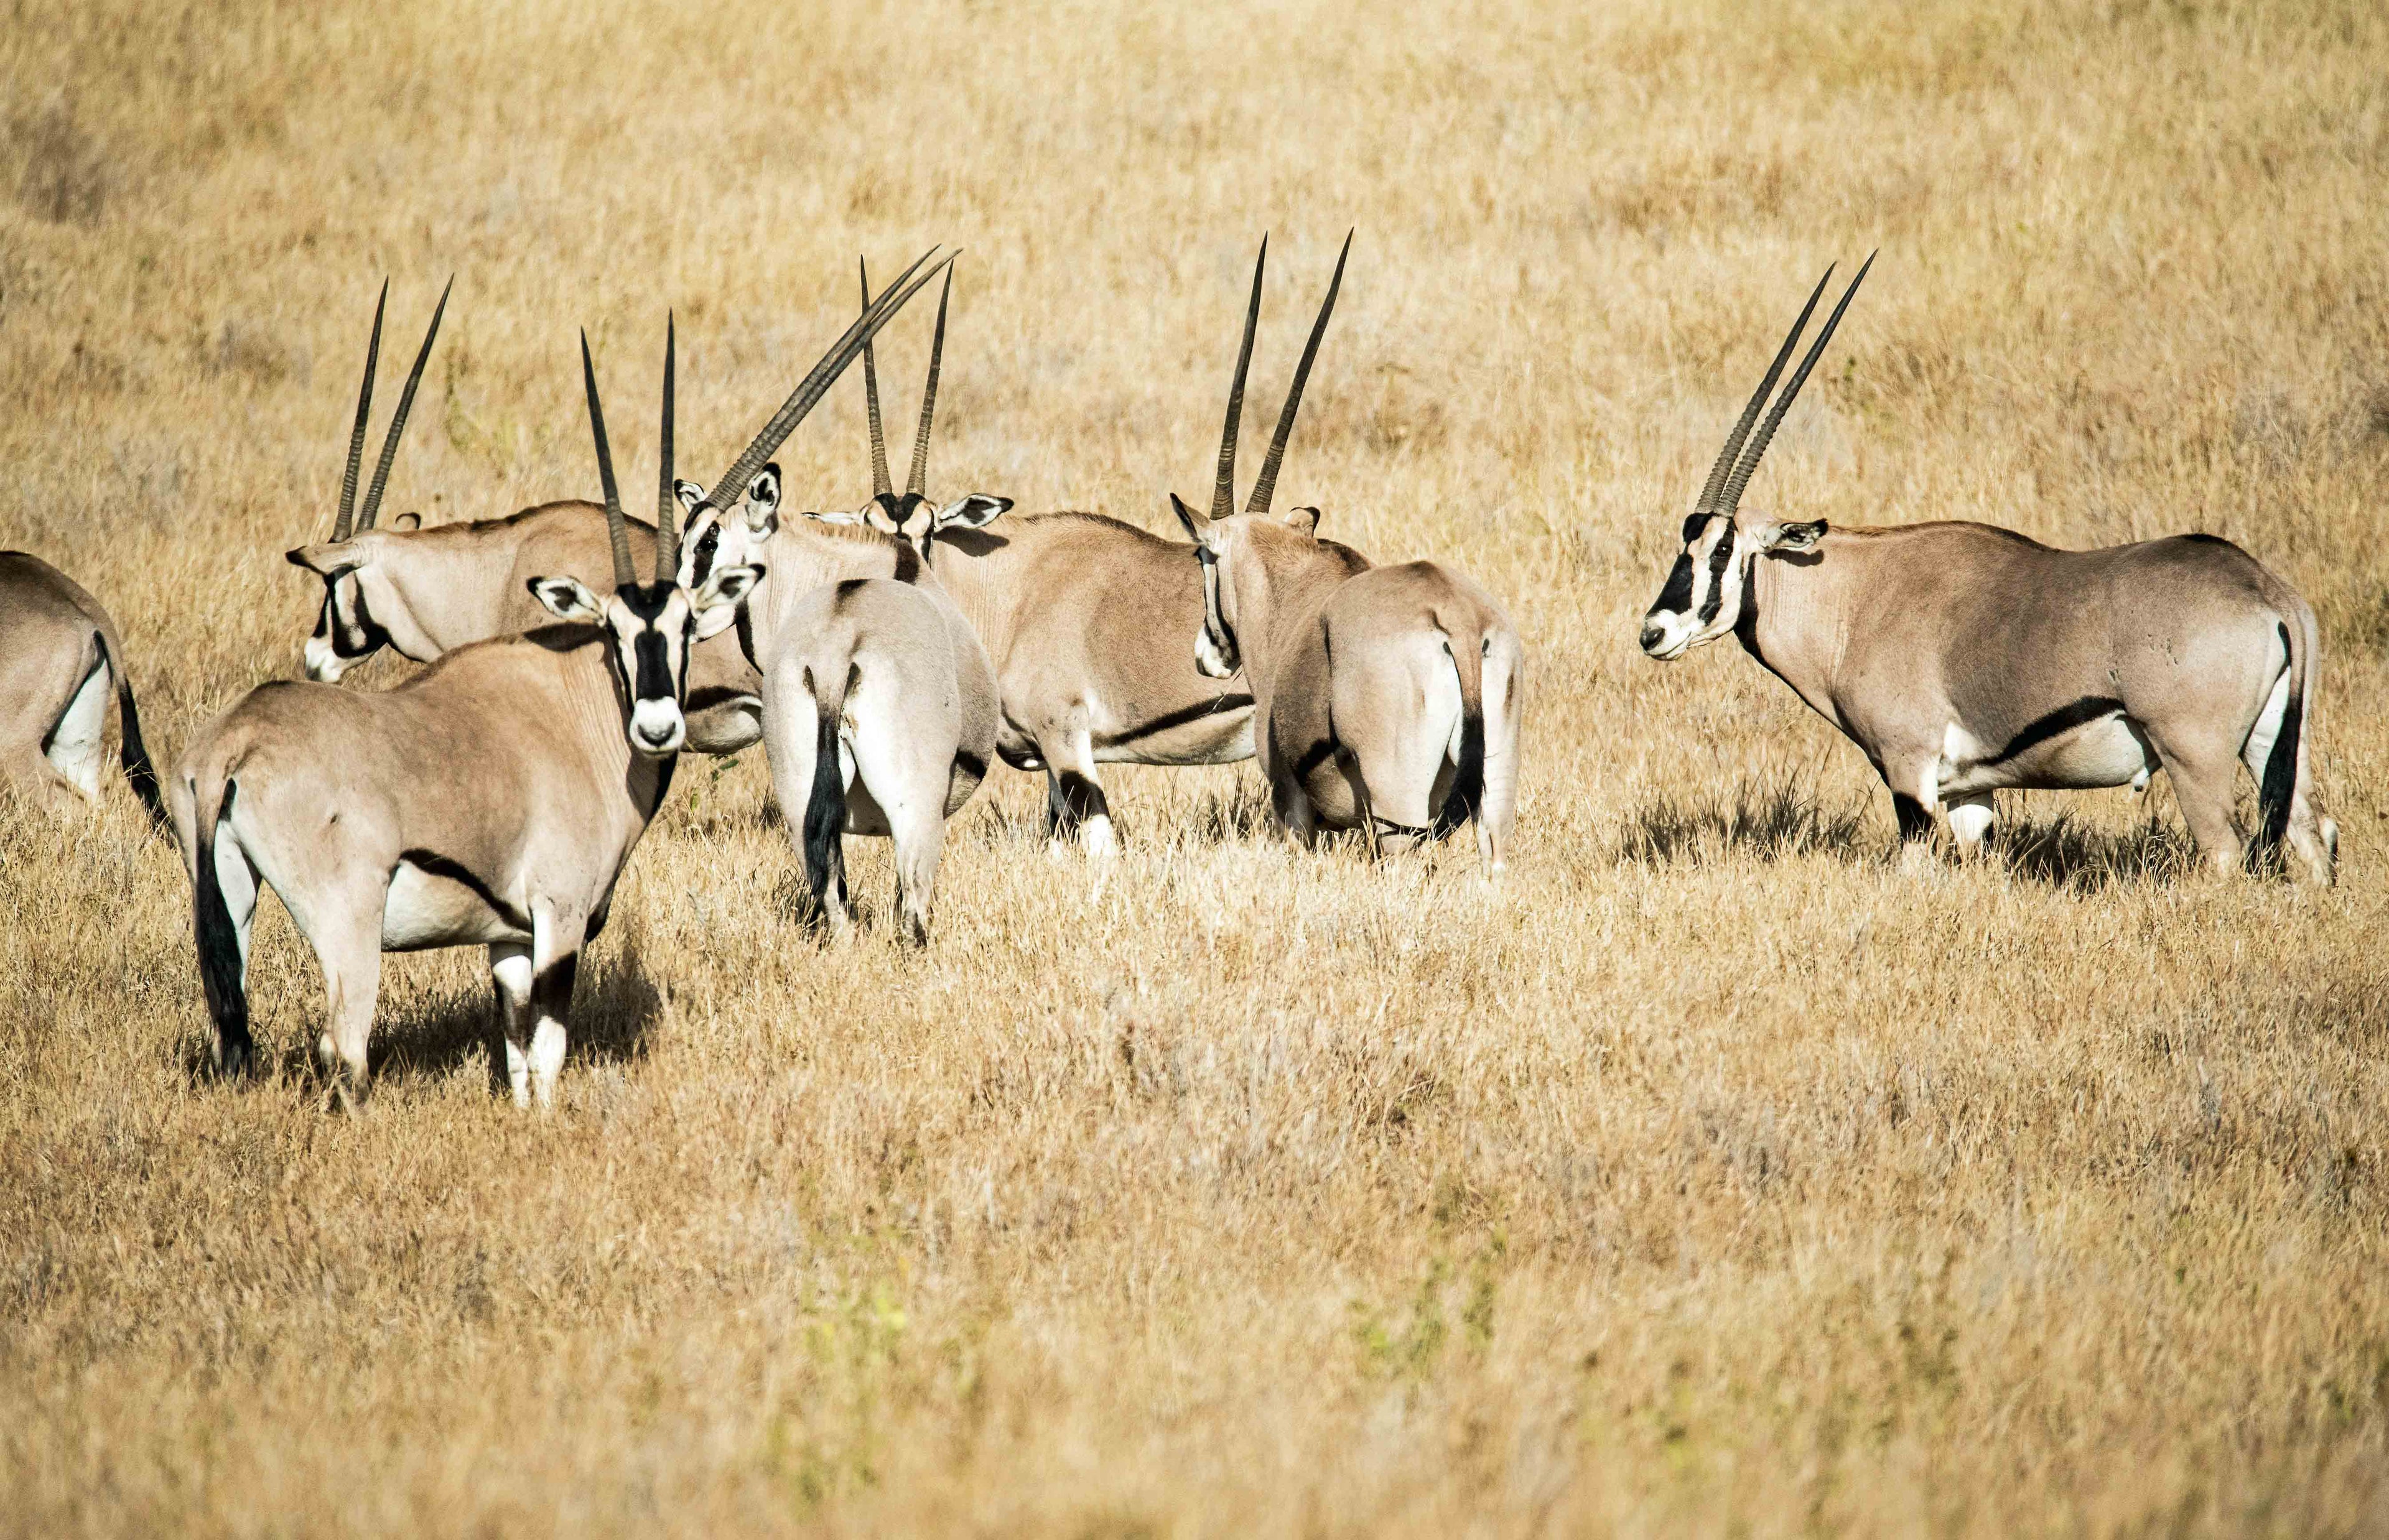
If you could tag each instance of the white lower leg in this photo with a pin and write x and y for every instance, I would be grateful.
(546, 1059)
(1970, 822)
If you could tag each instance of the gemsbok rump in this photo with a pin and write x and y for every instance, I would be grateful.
(1387, 698)
(1963, 657)
(60, 656)
(423, 593)
(493, 799)
(879, 707)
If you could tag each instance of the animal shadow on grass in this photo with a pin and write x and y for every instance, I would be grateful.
(1787, 819)
(614, 1007)
(1771, 821)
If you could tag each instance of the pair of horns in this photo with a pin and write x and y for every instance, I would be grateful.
(1223, 494)
(917, 483)
(783, 421)
(1722, 493)
(618, 532)
(364, 517)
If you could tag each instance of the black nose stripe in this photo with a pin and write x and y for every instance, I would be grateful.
(1676, 595)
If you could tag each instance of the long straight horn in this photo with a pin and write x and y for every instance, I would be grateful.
(1724, 466)
(615, 531)
(1223, 491)
(398, 423)
(824, 373)
(357, 434)
(1740, 477)
(666, 503)
(881, 484)
(1266, 488)
(918, 482)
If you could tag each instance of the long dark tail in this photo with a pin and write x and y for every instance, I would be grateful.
(2277, 788)
(825, 807)
(134, 756)
(219, 940)
(1466, 799)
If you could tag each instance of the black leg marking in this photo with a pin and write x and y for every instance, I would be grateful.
(1915, 824)
(1081, 798)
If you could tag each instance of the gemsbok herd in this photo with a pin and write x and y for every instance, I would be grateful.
(884, 655)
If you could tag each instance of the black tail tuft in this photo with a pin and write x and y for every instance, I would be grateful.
(134, 755)
(825, 813)
(219, 940)
(2278, 788)
(1467, 795)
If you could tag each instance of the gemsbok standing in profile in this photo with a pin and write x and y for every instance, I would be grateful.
(1387, 698)
(879, 706)
(490, 800)
(61, 658)
(425, 593)
(1963, 657)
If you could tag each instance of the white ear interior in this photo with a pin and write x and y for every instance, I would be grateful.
(567, 598)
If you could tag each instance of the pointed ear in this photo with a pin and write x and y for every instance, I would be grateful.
(407, 521)
(1771, 538)
(1304, 520)
(330, 560)
(689, 493)
(567, 598)
(1198, 528)
(974, 512)
(764, 491)
(716, 601)
(837, 515)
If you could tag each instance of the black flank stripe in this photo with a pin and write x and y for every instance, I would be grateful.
(439, 865)
(1180, 717)
(2066, 718)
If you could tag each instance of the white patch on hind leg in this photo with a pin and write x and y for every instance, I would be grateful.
(2267, 731)
(76, 739)
(1970, 820)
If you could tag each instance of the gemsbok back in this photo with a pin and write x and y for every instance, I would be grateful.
(60, 654)
(423, 593)
(1963, 657)
(1388, 697)
(491, 800)
(879, 706)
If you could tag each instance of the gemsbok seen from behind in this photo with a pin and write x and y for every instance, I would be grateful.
(60, 660)
(1387, 698)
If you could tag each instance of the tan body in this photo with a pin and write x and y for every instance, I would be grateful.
(1963, 658)
(431, 591)
(60, 660)
(490, 801)
(1085, 619)
(1389, 698)
(879, 706)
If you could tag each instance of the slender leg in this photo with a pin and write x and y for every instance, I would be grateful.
(2204, 786)
(350, 955)
(556, 959)
(1970, 820)
(1075, 800)
(1503, 692)
(510, 973)
(1915, 810)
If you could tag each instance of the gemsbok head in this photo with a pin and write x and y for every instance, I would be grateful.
(653, 625)
(1702, 599)
(346, 629)
(912, 516)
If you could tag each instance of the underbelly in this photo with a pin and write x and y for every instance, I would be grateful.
(2106, 751)
(422, 910)
(1220, 737)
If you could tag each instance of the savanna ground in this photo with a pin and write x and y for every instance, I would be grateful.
(1705, 1174)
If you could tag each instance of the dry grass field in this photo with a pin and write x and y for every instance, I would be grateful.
(1705, 1175)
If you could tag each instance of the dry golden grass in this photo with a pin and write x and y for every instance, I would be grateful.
(1704, 1175)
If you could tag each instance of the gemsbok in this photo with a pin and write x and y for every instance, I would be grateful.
(59, 655)
(1387, 698)
(493, 799)
(1963, 657)
(423, 593)
(879, 706)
